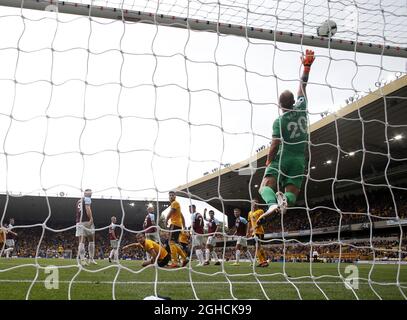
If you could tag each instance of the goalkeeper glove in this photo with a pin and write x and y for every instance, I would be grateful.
(308, 59)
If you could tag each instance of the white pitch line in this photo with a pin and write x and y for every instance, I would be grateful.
(186, 282)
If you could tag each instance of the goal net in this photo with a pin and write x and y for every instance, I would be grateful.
(138, 98)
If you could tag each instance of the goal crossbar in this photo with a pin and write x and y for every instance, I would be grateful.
(115, 13)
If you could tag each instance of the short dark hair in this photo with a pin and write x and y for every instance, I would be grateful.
(286, 100)
(171, 192)
(192, 206)
(87, 190)
(237, 209)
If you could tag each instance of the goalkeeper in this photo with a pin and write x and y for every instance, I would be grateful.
(286, 158)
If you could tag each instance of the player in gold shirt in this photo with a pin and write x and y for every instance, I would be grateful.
(176, 223)
(2, 235)
(257, 231)
(155, 250)
(184, 238)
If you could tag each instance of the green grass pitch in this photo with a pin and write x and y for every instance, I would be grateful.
(133, 282)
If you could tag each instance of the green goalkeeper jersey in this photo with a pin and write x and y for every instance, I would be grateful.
(292, 127)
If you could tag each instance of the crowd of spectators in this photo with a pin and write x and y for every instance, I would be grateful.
(351, 209)
(376, 206)
(58, 243)
(379, 249)
(50, 244)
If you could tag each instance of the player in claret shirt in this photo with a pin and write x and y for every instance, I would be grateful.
(10, 237)
(85, 229)
(149, 224)
(240, 232)
(114, 241)
(197, 224)
(213, 225)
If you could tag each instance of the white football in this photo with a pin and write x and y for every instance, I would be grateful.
(327, 29)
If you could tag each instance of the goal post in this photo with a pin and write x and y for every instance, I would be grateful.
(128, 15)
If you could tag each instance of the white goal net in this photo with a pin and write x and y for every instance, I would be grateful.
(138, 98)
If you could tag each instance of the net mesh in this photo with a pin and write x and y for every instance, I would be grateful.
(137, 109)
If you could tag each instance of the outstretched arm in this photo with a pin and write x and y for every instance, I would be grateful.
(205, 214)
(136, 244)
(306, 61)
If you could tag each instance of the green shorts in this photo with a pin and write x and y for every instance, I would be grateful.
(287, 170)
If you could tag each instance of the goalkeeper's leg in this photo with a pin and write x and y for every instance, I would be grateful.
(291, 193)
(293, 182)
(267, 192)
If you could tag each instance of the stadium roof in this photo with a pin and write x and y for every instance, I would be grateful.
(366, 139)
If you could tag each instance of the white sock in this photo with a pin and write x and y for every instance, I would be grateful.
(215, 256)
(91, 250)
(7, 251)
(249, 255)
(199, 255)
(116, 254)
(207, 254)
(202, 256)
(81, 251)
(237, 256)
(111, 254)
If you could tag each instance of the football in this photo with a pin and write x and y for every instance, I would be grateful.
(327, 29)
